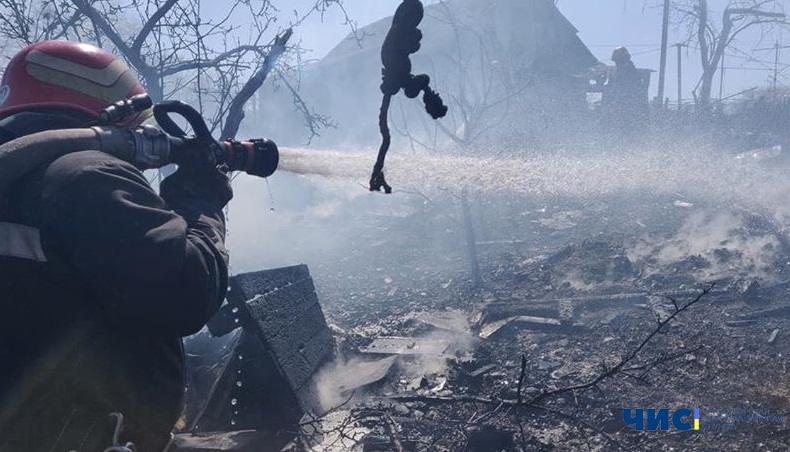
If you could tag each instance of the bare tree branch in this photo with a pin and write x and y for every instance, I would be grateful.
(737, 17)
(312, 120)
(152, 21)
(109, 31)
(170, 49)
(630, 356)
(236, 110)
(214, 62)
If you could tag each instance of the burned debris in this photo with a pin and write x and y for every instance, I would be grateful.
(565, 265)
(544, 355)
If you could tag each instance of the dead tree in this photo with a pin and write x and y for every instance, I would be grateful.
(484, 88)
(176, 49)
(477, 79)
(170, 52)
(24, 22)
(713, 40)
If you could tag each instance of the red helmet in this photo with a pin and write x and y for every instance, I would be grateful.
(65, 74)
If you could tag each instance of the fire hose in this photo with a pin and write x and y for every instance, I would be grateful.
(147, 147)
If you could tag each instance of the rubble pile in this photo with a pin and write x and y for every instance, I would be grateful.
(460, 367)
(586, 308)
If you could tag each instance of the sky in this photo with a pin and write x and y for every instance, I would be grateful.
(604, 25)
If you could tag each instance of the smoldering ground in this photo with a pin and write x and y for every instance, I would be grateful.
(677, 215)
(337, 383)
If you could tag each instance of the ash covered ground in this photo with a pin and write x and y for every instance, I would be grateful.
(584, 263)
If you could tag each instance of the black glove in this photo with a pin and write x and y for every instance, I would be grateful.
(197, 179)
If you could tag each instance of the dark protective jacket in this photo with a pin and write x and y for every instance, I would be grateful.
(625, 99)
(99, 279)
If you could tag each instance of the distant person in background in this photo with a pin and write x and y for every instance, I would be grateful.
(625, 106)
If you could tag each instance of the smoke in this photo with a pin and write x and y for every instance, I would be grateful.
(295, 219)
(687, 211)
(317, 210)
(337, 382)
(341, 381)
(721, 244)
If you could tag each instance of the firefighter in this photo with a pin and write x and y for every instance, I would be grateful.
(100, 276)
(626, 106)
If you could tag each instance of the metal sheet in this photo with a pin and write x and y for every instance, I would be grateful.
(446, 320)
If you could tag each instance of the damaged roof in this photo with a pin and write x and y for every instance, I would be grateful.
(532, 34)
